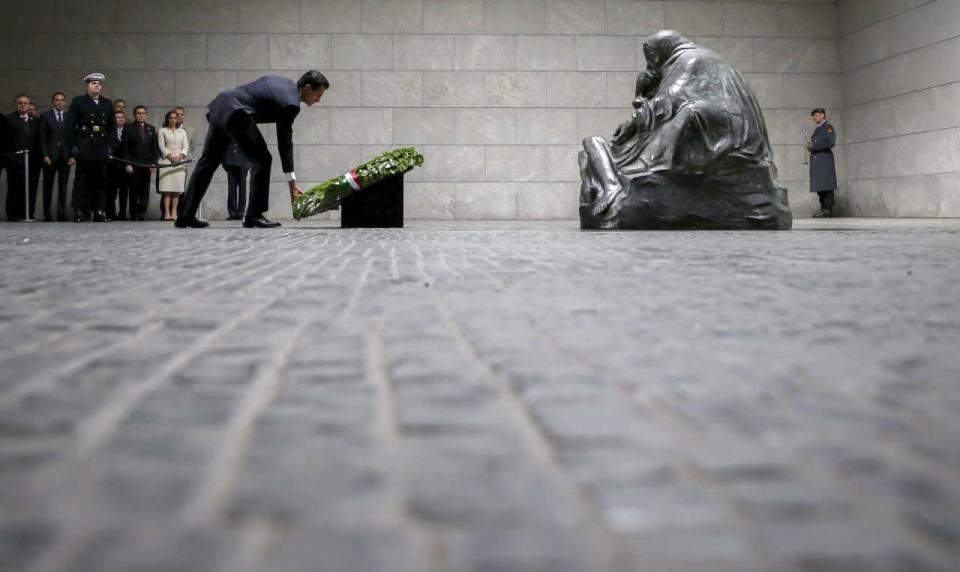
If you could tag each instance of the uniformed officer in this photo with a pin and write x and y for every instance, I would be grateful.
(823, 171)
(93, 124)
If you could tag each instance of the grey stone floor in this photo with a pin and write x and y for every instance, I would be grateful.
(479, 397)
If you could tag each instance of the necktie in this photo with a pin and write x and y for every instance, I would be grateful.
(59, 118)
(26, 119)
(143, 133)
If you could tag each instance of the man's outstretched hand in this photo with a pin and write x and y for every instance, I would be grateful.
(295, 191)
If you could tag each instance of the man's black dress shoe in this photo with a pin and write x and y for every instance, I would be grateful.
(193, 222)
(259, 222)
(62, 218)
(120, 217)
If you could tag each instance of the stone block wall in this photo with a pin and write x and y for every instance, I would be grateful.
(496, 93)
(901, 64)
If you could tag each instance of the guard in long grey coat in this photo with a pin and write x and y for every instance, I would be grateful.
(823, 170)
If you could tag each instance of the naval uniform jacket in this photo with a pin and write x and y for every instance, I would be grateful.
(270, 99)
(94, 127)
(56, 139)
(823, 171)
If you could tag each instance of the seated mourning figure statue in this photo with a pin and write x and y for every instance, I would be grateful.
(695, 153)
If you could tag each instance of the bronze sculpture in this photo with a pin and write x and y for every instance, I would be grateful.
(695, 153)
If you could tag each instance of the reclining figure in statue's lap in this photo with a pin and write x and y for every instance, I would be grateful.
(695, 154)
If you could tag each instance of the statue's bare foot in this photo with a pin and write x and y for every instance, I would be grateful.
(603, 202)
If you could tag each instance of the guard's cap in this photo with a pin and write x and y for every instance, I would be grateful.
(818, 110)
(94, 77)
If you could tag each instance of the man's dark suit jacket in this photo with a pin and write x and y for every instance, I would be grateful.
(234, 157)
(56, 141)
(270, 99)
(6, 140)
(24, 137)
(145, 151)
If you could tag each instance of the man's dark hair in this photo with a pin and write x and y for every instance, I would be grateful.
(179, 108)
(56, 93)
(143, 107)
(19, 95)
(120, 112)
(818, 110)
(118, 100)
(314, 79)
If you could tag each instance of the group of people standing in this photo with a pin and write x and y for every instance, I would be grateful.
(115, 159)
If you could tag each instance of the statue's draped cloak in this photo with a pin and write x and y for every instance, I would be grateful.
(703, 109)
(694, 155)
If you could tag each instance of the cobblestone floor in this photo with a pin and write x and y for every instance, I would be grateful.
(485, 397)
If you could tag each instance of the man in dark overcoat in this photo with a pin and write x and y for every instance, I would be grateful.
(823, 170)
(93, 124)
(233, 116)
(140, 145)
(22, 187)
(56, 146)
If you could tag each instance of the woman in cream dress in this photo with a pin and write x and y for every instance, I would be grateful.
(174, 147)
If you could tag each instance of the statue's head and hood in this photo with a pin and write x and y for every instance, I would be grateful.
(662, 47)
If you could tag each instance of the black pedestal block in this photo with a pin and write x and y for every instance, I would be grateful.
(378, 206)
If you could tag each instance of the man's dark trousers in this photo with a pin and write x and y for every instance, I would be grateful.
(15, 187)
(59, 170)
(242, 129)
(139, 191)
(826, 200)
(236, 190)
(119, 185)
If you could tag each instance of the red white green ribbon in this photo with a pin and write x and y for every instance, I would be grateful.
(351, 178)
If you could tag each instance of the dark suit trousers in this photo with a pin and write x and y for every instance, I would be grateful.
(139, 191)
(236, 190)
(15, 189)
(59, 170)
(243, 130)
(118, 182)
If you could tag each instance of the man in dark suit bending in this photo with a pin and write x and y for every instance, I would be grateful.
(233, 116)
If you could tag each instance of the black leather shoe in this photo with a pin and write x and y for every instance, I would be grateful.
(62, 218)
(259, 222)
(120, 217)
(192, 222)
